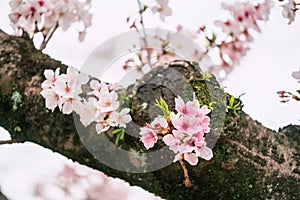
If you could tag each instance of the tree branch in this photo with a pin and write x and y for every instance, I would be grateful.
(2, 197)
(11, 141)
(250, 161)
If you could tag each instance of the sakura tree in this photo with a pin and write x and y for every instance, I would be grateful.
(170, 128)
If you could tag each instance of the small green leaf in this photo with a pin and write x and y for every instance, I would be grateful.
(117, 140)
(120, 135)
(116, 131)
(17, 129)
(163, 106)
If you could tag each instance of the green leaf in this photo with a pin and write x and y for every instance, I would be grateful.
(116, 131)
(120, 135)
(161, 103)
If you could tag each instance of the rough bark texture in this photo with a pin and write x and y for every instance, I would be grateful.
(250, 161)
(2, 197)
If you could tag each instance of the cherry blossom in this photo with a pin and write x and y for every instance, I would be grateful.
(41, 16)
(289, 10)
(52, 99)
(234, 46)
(185, 124)
(190, 109)
(173, 140)
(101, 105)
(149, 137)
(296, 75)
(159, 124)
(191, 158)
(51, 77)
(79, 182)
(183, 133)
(162, 8)
(121, 118)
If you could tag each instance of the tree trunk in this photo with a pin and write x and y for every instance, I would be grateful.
(250, 161)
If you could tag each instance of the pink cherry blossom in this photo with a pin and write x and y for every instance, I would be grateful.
(229, 27)
(186, 124)
(245, 19)
(41, 16)
(173, 140)
(159, 124)
(184, 134)
(204, 152)
(149, 137)
(189, 109)
(191, 158)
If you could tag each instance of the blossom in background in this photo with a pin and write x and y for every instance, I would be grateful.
(45, 16)
(296, 75)
(162, 8)
(183, 133)
(289, 10)
(79, 182)
(245, 17)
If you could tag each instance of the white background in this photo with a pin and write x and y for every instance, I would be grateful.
(266, 69)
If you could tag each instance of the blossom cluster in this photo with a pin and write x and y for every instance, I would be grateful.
(183, 132)
(101, 106)
(246, 17)
(44, 16)
(287, 96)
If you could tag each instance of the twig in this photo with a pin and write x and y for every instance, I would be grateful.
(187, 182)
(143, 37)
(13, 141)
(48, 37)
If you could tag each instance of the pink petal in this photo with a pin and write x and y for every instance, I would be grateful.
(67, 107)
(191, 158)
(296, 75)
(205, 153)
(168, 139)
(49, 74)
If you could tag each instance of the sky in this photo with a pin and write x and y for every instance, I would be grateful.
(267, 68)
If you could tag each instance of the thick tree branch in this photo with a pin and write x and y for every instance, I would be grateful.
(250, 162)
(2, 197)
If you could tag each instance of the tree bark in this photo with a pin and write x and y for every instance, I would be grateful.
(250, 161)
(2, 197)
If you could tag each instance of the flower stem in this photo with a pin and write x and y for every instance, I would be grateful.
(13, 141)
(48, 37)
(187, 182)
